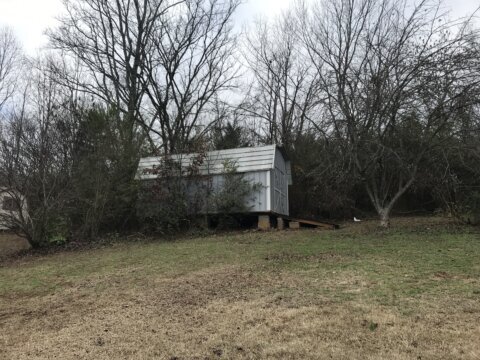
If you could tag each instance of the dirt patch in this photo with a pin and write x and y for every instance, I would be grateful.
(443, 275)
(11, 244)
(21, 251)
(289, 257)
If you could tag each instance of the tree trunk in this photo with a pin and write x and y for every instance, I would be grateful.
(384, 217)
(384, 209)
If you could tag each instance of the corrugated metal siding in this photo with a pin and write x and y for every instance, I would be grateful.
(246, 160)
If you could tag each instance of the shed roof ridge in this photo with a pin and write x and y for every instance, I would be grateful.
(224, 151)
(247, 159)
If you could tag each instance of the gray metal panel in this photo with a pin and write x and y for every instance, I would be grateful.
(258, 202)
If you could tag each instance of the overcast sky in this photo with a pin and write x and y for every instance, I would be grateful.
(29, 18)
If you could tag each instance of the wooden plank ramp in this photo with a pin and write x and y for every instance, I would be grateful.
(294, 223)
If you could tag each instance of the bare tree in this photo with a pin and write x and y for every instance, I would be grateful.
(190, 66)
(393, 76)
(112, 41)
(231, 128)
(35, 158)
(285, 90)
(158, 62)
(10, 61)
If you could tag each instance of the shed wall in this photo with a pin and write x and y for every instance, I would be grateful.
(259, 201)
(266, 166)
(279, 188)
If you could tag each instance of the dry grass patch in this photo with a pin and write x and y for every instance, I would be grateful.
(234, 314)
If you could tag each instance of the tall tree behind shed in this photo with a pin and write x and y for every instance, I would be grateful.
(393, 76)
(284, 91)
(112, 41)
(190, 66)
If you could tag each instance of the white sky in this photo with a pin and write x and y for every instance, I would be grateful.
(29, 18)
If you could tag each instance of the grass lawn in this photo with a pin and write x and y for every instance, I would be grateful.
(412, 292)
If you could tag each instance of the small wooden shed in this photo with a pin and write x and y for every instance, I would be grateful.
(267, 166)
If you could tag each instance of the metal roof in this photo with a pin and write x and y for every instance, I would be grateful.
(246, 160)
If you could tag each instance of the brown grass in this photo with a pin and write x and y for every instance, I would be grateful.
(235, 310)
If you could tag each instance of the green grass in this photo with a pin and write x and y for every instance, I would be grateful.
(406, 262)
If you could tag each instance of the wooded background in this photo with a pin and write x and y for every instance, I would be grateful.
(375, 101)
